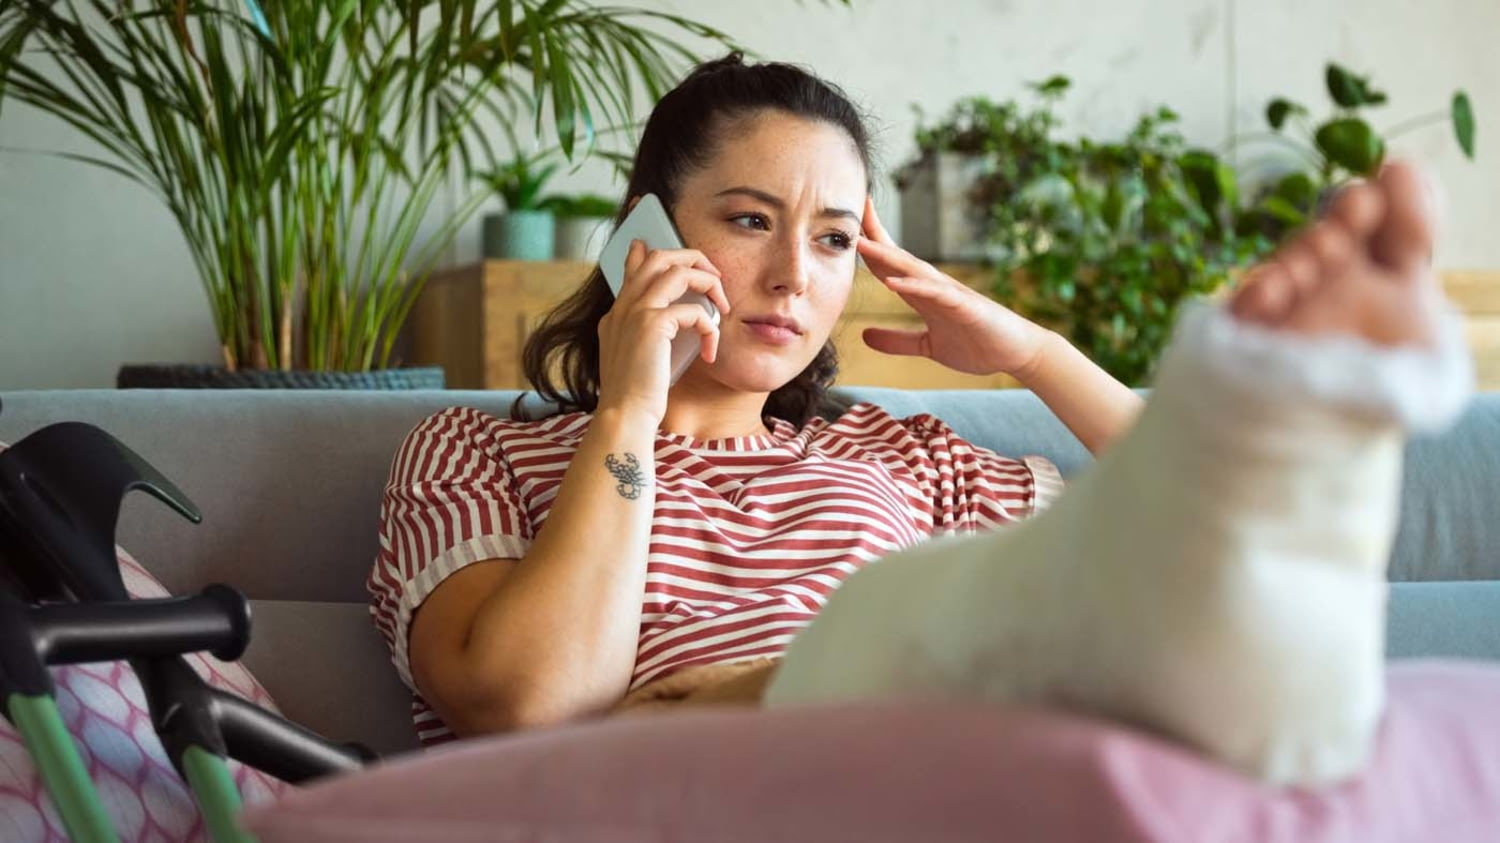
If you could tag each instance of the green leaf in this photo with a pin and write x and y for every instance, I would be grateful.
(1352, 144)
(1212, 180)
(1282, 210)
(1346, 89)
(564, 111)
(93, 161)
(1280, 109)
(10, 50)
(1297, 189)
(1350, 90)
(1053, 86)
(1463, 123)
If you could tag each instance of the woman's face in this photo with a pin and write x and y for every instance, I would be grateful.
(778, 212)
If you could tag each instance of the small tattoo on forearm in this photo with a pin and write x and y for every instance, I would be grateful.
(628, 473)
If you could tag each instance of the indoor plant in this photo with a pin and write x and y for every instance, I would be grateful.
(525, 230)
(583, 224)
(299, 145)
(940, 218)
(1341, 147)
(1100, 240)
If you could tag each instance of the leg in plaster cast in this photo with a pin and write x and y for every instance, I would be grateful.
(1219, 576)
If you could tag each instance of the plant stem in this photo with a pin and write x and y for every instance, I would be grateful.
(1301, 150)
(1416, 123)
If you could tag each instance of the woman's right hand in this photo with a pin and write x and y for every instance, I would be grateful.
(635, 336)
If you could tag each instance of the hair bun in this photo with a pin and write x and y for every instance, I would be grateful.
(735, 59)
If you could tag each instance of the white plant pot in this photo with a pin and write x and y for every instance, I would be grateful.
(582, 238)
(938, 220)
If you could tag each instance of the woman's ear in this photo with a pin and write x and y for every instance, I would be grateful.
(630, 206)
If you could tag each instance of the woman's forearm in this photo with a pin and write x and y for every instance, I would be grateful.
(1097, 408)
(561, 632)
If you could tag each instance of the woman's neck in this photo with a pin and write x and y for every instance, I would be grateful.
(712, 411)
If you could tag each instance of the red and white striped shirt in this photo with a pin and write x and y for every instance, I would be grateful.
(749, 535)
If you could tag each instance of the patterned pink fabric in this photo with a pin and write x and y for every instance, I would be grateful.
(904, 772)
(105, 711)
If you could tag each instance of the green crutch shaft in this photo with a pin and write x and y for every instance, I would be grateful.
(63, 773)
(218, 798)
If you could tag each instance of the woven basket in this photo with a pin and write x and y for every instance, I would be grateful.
(188, 376)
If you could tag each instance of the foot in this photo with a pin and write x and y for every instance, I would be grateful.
(1364, 269)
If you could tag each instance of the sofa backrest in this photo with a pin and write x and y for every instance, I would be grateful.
(289, 485)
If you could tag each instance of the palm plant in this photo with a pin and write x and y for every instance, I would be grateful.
(300, 145)
(519, 183)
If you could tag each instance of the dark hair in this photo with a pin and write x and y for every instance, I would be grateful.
(561, 358)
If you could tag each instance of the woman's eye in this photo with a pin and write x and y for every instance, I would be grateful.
(838, 240)
(755, 221)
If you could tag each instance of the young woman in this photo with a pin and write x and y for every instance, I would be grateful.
(652, 544)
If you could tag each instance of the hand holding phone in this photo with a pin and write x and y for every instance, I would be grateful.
(648, 222)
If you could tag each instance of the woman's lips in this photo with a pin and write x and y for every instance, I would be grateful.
(772, 333)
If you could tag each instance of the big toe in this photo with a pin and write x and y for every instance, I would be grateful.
(1403, 241)
(1265, 295)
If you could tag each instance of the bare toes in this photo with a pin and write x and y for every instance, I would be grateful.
(1265, 296)
(1301, 263)
(1358, 207)
(1403, 241)
(1333, 246)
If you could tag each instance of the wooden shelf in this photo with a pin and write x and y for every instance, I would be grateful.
(473, 321)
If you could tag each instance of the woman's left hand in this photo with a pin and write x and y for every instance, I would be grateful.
(964, 329)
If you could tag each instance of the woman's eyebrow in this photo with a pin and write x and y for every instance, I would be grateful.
(775, 202)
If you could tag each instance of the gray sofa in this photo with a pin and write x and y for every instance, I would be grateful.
(289, 484)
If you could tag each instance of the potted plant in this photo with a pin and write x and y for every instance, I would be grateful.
(1341, 147)
(299, 145)
(1102, 241)
(941, 218)
(583, 225)
(525, 230)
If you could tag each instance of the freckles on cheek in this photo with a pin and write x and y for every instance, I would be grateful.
(736, 275)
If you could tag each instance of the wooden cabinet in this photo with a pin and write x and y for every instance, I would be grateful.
(473, 321)
(1477, 294)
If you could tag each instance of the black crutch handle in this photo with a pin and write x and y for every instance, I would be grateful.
(32, 637)
(60, 492)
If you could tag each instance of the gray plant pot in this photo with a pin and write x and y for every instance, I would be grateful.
(581, 238)
(519, 235)
(938, 220)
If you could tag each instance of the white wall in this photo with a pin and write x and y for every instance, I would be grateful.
(93, 273)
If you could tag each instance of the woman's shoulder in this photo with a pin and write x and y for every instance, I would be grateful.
(469, 440)
(464, 424)
(932, 447)
(872, 426)
(873, 429)
(866, 418)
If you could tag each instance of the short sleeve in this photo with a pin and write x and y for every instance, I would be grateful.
(978, 489)
(451, 500)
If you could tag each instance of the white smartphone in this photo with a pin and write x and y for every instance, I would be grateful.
(648, 221)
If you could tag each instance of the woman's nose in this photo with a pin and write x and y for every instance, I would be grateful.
(788, 272)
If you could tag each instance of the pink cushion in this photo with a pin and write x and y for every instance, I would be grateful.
(105, 710)
(909, 772)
